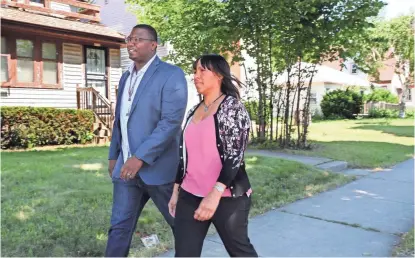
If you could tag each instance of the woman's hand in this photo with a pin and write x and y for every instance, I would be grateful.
(173, 200)
(208, 206)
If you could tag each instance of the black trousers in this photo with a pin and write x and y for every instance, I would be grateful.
(230, 220)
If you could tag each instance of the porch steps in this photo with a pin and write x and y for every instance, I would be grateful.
(102, 134)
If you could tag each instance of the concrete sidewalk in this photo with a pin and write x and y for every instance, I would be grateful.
(363, 218)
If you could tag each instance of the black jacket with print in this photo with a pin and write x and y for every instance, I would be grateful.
(232, 126)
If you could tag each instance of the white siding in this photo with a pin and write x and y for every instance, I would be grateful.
(63, 7)
(73, 68)
(73, 74)
(60, 6)
(162, 50)
(125, 59)
(115, 72)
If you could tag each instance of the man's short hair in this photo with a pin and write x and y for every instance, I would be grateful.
(152, 31)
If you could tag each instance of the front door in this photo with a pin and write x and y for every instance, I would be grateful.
(96, 69)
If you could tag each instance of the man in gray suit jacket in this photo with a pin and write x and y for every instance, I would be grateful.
(143, 155)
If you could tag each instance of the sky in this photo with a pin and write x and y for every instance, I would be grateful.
(397, 7)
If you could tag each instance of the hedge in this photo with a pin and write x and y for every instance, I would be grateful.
(27, 127)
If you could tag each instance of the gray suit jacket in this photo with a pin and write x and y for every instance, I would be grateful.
(154, 125)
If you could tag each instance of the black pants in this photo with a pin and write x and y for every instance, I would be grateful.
(230, 220)
(129, 198)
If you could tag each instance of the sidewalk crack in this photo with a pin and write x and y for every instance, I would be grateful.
(354, 225)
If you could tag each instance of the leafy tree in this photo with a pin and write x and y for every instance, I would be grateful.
(193, 27)
(276, 34)
(387, 39)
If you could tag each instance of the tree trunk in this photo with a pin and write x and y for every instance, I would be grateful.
(402, 104)
(278, 105)
(261, 118)
(306, 112)
(248, 85)
(287, 112)
(271, 94)
(297, 113)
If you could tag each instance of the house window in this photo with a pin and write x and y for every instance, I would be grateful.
(30, 62)
(37, 2)
(4, 60)
(354, 68)
(50, 63)
(313, 98)
(25, 64)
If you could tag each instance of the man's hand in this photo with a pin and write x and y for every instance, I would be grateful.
(208, 206)
(111, 165)
(131, 168)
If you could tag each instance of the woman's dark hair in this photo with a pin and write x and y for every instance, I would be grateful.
(218, 64)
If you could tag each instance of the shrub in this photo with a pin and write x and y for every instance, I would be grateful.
(317, 116)
(383, 113)
(379, 94)
(341, 104)
(27, 127)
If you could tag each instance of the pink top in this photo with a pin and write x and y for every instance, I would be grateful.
(203, 161)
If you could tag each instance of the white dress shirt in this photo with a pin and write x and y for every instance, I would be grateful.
(131, 85)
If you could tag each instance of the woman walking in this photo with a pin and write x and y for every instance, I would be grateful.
(212, 185)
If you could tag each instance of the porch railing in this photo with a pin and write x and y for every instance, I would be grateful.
(90, 99)
(73, 9)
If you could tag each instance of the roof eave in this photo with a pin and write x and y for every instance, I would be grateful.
(97, 37)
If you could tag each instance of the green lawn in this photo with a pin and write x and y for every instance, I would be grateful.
(406, 246)
(366, 143)
(57, 203)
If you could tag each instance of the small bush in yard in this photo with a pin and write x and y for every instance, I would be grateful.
(383, 113)
(341, 104)
(379, 94)
(410, 114)
(27, 127)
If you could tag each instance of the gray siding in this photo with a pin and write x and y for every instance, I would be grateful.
(115, 14)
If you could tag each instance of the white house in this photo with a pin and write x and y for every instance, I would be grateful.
(387, 79)
(325, 80)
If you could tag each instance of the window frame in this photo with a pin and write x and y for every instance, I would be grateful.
(33, 82)
(8, 55)
(57, 60)
(37, 62)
